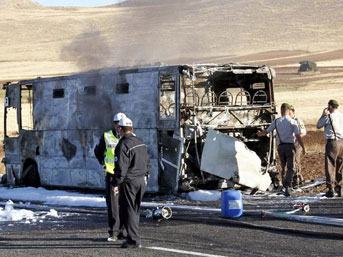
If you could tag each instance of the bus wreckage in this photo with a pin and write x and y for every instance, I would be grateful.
(199, 123)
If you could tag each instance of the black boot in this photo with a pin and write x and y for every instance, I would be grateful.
(284, 191)
(287, 194)
(329, 194)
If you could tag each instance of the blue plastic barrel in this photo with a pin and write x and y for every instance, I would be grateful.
(232, 204)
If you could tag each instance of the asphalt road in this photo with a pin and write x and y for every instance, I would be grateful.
(185, 234)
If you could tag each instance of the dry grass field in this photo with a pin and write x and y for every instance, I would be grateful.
(40, 41)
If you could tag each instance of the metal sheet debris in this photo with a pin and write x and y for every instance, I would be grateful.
(229, 158)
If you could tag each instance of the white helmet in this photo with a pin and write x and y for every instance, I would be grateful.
(119, 116)
(125, 122)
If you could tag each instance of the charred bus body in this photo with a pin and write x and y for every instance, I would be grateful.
(172, 107)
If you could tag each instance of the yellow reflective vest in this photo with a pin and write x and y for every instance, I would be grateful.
(111, 142)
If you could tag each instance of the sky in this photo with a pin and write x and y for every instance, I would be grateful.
(87, 3)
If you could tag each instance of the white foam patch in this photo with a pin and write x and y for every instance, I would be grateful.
(9, 213)
(204, 195)
(52, 197)
(53, 213)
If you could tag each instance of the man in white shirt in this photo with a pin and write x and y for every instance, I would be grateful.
(285, 128)
(332, 121)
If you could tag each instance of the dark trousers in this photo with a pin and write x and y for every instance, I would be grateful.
(287, 155)
(112, 202)
(131, 195)
(334, 163)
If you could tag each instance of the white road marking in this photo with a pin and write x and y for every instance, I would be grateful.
(183, 252)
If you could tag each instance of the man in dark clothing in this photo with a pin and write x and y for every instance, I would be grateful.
(104, 152)
(131, 168)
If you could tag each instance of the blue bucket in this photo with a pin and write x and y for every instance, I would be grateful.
(232, 204)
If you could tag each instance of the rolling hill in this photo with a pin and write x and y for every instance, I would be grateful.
(18, 4)
(41, 41)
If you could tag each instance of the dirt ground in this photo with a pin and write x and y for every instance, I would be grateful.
(313, 162)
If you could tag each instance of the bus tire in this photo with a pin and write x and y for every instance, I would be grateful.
(4, 179)
(32, 176)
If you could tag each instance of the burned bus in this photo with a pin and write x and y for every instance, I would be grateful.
(59, 120)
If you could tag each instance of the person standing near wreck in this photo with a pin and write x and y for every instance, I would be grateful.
(285, 128)
(297, 178)
(332, 121)
(104, 152)
(131, 168)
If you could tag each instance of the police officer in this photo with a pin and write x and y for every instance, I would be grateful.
(131, 168)
(104, 152)
(297, 178)
(332, 121)
(285, 128)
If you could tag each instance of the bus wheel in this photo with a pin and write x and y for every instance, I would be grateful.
(32, 176)
(4, 179)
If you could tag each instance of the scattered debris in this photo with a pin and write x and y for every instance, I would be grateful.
(313, 183)
(229, 158)
(162, 212)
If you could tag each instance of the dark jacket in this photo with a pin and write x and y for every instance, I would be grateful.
(100, 149)
(132, 160)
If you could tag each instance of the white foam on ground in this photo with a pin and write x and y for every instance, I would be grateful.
(9, 213)
(204, 195)
(53, 213)
(64, 198)
(52, 197)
